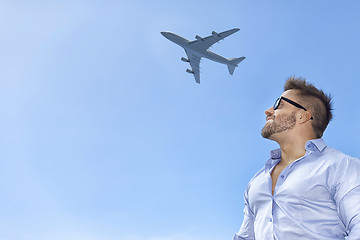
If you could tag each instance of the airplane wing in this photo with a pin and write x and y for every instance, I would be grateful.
(205, 43)
(194, 60)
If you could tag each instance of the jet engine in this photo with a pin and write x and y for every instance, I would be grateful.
(199, 38)
(184, 59)
(189, 71)
(215, 33)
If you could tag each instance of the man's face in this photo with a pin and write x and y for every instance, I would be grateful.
(277, 124)
(281, 119)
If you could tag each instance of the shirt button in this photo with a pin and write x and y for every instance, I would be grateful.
(282, 176)
(270, 219)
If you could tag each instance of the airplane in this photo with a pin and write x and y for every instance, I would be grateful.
(198, 48)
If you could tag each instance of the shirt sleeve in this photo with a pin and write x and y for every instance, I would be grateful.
(347, 196)
(246, 231)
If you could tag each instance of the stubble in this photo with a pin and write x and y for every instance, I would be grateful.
(278, 124)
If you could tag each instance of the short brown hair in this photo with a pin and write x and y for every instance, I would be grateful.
(315, 100)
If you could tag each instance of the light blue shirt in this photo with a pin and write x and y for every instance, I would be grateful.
(315, 197)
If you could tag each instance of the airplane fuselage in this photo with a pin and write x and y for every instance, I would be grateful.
(185, 43)
(197, 49)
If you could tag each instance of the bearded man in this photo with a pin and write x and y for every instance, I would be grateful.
(306, 190)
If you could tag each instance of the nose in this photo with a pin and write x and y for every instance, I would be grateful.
(269, 111)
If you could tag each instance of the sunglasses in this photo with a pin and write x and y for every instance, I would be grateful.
(277, 103)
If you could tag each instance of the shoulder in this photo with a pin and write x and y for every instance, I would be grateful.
(326, 153)
(337, 157)
(347, 174)
(259, 175)
(338, 164)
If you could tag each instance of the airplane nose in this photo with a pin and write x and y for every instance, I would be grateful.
(163, 33)
(173, 37)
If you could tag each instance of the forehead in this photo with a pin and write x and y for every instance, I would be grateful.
(291, 94)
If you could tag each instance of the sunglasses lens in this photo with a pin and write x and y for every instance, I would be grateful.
(276, 104)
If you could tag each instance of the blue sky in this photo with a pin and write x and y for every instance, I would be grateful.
(104, 135)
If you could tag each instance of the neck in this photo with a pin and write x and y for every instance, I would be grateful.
(292, 150)
(292, 147)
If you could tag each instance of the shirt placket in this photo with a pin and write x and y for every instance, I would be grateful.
(281, 179)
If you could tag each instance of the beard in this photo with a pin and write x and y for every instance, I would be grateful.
(278, 124)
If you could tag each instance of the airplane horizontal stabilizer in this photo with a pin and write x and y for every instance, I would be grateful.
(233, 64)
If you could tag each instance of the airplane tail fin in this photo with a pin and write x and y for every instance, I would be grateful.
(233, 64)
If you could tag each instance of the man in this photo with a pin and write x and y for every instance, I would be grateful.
(306, 190)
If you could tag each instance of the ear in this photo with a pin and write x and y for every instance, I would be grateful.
(304, 117)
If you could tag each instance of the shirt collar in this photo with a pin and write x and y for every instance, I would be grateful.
(315, 145)
(311, 145)
(275, 156)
